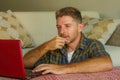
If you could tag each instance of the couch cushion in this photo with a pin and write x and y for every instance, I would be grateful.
(11, 28)
(40, 25)
(114, 40)
(92, 14)
(100, 29)
(114, 52)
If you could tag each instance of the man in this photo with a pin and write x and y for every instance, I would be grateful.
(70, 51)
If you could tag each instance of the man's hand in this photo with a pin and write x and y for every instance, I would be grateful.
(56, 43)
(51, 68)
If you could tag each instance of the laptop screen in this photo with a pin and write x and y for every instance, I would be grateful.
(11, 60)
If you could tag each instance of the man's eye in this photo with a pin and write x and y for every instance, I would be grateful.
(58, 27)
(68, 26)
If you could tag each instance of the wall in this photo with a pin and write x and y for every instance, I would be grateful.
(107, 8)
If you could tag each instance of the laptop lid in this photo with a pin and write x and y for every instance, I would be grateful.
(11, 59)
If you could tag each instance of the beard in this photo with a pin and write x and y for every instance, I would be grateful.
(70, 41)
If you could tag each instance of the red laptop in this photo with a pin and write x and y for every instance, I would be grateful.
(11, 60)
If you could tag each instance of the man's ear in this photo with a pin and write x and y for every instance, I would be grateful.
(81, 26)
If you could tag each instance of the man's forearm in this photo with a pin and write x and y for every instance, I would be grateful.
(34, 55)
(90, 65)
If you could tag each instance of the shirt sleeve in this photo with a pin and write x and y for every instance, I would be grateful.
(97, 49)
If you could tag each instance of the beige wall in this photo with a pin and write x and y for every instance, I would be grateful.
(107, 8)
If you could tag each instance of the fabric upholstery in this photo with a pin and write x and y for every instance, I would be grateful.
(114, 40)
(11, 28)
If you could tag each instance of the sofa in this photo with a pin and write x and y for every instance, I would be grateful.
(40, 26)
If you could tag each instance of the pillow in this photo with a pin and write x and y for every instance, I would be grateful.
(100, 29)
(11, 28)
(114, 40)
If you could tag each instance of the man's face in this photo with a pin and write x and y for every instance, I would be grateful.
(68, 28)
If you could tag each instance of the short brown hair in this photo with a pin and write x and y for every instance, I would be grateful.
(70, 11)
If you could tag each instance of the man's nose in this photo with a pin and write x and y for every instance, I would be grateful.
(62, 31)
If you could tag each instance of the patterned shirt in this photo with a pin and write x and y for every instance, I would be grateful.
(87, 48)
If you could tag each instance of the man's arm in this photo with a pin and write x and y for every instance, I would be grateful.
(97, 64)
(34, 55)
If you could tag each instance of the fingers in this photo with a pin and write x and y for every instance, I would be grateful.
(48, 68)
(56, 43)
(44, 68)
(60, 42)
(46, 72)
(40, 68)
(60, 39)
